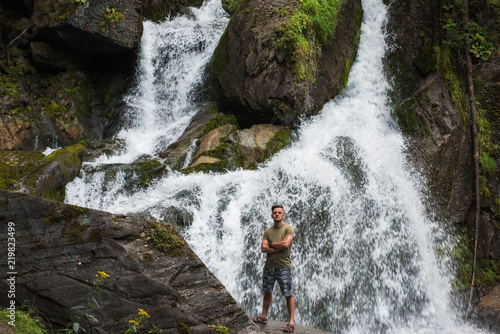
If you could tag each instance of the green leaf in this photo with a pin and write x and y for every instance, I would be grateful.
(76, 327)
(91, 317)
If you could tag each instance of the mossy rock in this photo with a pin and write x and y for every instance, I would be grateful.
(57, 169)
(270, 63)
(16, 164)
(408, 116)
(147, 171)
(166, 239)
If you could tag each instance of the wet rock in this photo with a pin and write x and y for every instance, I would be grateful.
(213, 139)
(442, 145)
(46, 56)
(265, 78)
(261, 141)
(14, 132)
(176, 153)
(104, 27)
(50, 177)
(61, 248)
(226, 148)
(16, 164)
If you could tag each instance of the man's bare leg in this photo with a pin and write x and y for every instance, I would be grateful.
(268, 298)
(290, 305)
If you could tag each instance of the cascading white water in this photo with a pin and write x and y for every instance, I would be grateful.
(172, 57)
(363, 255)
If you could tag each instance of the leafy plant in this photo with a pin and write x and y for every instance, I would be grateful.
(135, 324)
(220, 329)
(91, 304)
(480, 48)
(27, 321)
(80, 2)
(311, 25)
(112, 16)
(166, 239)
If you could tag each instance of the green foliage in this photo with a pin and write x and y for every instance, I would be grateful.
(312, 25)
(91, 305)
(136, 323)
(167, 240)
(279, 141)
(111, 17)
(183, 328)
(456, 33)
(80, 2)
(487, 273)
(219, 121)
(480, 48)
(27, 321)
(220, 329)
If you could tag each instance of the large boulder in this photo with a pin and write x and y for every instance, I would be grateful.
(61, 248)
(279, 60)
(105, 27)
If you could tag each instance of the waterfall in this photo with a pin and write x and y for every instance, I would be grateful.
(363, 255)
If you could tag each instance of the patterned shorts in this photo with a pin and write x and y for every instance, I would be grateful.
(282, 275)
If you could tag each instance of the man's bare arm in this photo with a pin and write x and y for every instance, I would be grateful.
(264, 248)
(284, 244)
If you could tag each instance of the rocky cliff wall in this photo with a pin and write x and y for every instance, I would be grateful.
(59, 250)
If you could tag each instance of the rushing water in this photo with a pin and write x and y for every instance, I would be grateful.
(364, 259)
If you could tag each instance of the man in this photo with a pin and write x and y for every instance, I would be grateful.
(276, 243)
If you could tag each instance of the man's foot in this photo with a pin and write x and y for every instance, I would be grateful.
(260, 320)
(289, 328)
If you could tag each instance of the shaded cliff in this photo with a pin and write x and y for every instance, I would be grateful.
(60, 248)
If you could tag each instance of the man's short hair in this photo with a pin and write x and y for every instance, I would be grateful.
(275, 206)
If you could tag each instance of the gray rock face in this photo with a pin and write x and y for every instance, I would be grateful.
(443, 145)
(262, 81)
(106, 27)
(60, 249)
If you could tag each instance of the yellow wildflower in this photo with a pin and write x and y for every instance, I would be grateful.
(103, 274)
(144, 313)
(134, 323)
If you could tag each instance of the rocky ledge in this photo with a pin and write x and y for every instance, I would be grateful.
(61, 248)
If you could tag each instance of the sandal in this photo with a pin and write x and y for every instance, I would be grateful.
(260, 320)
(289, 328)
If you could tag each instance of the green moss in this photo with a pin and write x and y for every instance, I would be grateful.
(15, 164)
(221, 329)
(67, 214)
(70, 152)
(54, 109)
(75, 231)
(408, 118)
(147, 258)
(219, 121)
(27, 322)
(183, 328)
(311, 25)
(147, 171)
(166, 239)
(55, 11)
(279, 141)
(57, 194)
(487, 273)
(217, 167)
(487, 164)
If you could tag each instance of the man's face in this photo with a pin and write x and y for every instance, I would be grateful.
(278, 215)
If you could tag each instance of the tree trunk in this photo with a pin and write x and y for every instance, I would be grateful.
(475, 148)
